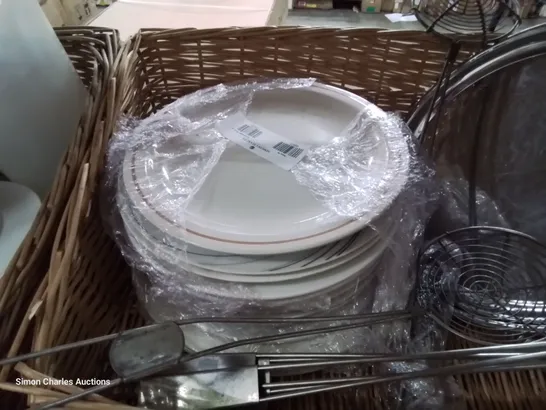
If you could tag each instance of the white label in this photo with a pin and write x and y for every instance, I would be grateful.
(264, 143)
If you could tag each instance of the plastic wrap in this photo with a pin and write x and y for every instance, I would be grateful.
(455, 208)
(369, 165)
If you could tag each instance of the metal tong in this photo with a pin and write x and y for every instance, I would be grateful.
(142, 352)
(154, 355)
(227, 380)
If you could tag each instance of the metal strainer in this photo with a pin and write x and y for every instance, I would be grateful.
(488, 284)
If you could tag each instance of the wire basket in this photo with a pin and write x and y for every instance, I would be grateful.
(88, 291)
(463, 21)
(490, 281)
(478, 20)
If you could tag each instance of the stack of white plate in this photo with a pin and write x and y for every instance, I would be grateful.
(253, 240)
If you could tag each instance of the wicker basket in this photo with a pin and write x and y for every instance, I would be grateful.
(86, 291)
(92, 51)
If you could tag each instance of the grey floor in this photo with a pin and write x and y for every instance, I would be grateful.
(349, 18)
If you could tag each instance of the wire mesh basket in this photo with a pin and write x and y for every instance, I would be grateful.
(87, 291)
(492, 282)
(488, 20)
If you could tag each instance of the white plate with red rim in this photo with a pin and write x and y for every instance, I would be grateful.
(280, 277)
(319, 284)
(271, 266)
(163, 259)
(246, 204)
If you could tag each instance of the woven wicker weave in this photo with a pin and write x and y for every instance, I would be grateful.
(92, 52)
(87, 288)
(392, 69)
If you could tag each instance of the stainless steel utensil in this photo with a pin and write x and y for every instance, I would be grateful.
(472, 282)
(487, 284)
(143, 352)
(240, 379)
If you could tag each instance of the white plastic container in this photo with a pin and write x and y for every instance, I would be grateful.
(41, 96)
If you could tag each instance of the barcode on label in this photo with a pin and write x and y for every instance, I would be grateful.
(264, 143)
(288, 149)
(250, 130)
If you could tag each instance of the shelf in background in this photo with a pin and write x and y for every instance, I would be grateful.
(358, 6)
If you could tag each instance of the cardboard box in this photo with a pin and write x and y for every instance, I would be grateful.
(54, 12)
(315, 4)
(80, 11)
(129, 16)
(525, 8)
(69, 12)
(387, 6)
(371, 6)
(406, 6)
